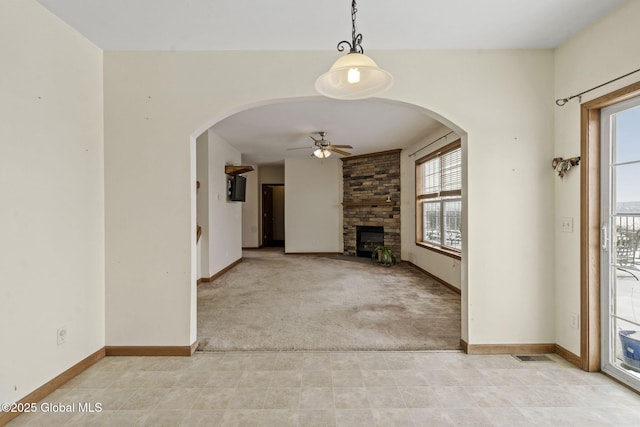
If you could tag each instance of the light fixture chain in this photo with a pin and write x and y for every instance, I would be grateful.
(355, 46)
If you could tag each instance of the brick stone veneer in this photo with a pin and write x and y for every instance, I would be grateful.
(367, 181)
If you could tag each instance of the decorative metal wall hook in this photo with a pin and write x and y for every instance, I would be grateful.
(562, 166)
(355, 45)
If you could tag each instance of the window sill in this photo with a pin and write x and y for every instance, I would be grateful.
(440, 250)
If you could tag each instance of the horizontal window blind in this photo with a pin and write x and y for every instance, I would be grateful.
(440, 174)
(438, 198)
(452, 171)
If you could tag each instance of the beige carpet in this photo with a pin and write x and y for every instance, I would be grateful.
(272, 301)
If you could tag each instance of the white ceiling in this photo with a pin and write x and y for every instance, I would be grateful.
(268, 134)
(319, 25)
(263, 134)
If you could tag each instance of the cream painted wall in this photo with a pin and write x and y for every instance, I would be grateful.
(313, 209)
(52, 187)
(606, 50)
(251, 210)
(442, 266)
(501, 102)
(157, 103)
(272, 174)
(202, 174)
(225, 216)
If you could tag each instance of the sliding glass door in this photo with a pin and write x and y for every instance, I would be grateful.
(620, 253)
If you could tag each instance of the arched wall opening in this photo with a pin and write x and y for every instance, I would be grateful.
(411, 252)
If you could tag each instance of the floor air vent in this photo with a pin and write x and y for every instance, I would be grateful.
(534, 358)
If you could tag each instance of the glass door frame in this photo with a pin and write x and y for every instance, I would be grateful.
(608, 259)
(590, 223)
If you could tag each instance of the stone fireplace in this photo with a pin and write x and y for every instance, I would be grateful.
(371, 202)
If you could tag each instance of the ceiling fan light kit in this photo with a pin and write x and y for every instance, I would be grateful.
(323, 148)
(322, 153)
(355, 75)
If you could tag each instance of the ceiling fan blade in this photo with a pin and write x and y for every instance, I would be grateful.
(314, 140)
(299, 148)
(335, 150)
(342, 146)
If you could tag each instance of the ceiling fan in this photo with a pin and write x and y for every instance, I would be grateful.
(324, 148)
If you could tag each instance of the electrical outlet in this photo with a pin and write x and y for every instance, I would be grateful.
(566, 225)
(62, 335)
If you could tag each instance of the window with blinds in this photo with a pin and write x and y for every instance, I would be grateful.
(439, 199)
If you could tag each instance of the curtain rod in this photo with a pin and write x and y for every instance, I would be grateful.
(431, 143)
(562, 101)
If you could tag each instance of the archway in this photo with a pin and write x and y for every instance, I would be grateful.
(408, 233)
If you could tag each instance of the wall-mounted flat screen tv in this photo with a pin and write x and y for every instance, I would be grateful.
(237, 188)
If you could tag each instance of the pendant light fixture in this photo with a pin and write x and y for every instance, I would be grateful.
(355, 75)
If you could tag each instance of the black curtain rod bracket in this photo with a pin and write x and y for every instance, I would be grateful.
(562, 101)
(431, 143)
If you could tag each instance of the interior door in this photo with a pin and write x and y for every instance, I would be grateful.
(620, 252)
(267, 215)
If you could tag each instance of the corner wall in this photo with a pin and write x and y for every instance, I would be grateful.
(52, 186)
(442, 266)
(202, 203)
(604, 51)
(225, 216)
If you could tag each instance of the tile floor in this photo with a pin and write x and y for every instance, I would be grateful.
(340, 389)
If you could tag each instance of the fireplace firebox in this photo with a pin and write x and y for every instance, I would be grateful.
(367, 239)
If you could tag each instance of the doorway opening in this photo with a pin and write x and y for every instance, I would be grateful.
(262, 226)
(273, 215)
(620, 257)
(591, 308)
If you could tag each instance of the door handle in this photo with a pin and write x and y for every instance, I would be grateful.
(604, 238)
